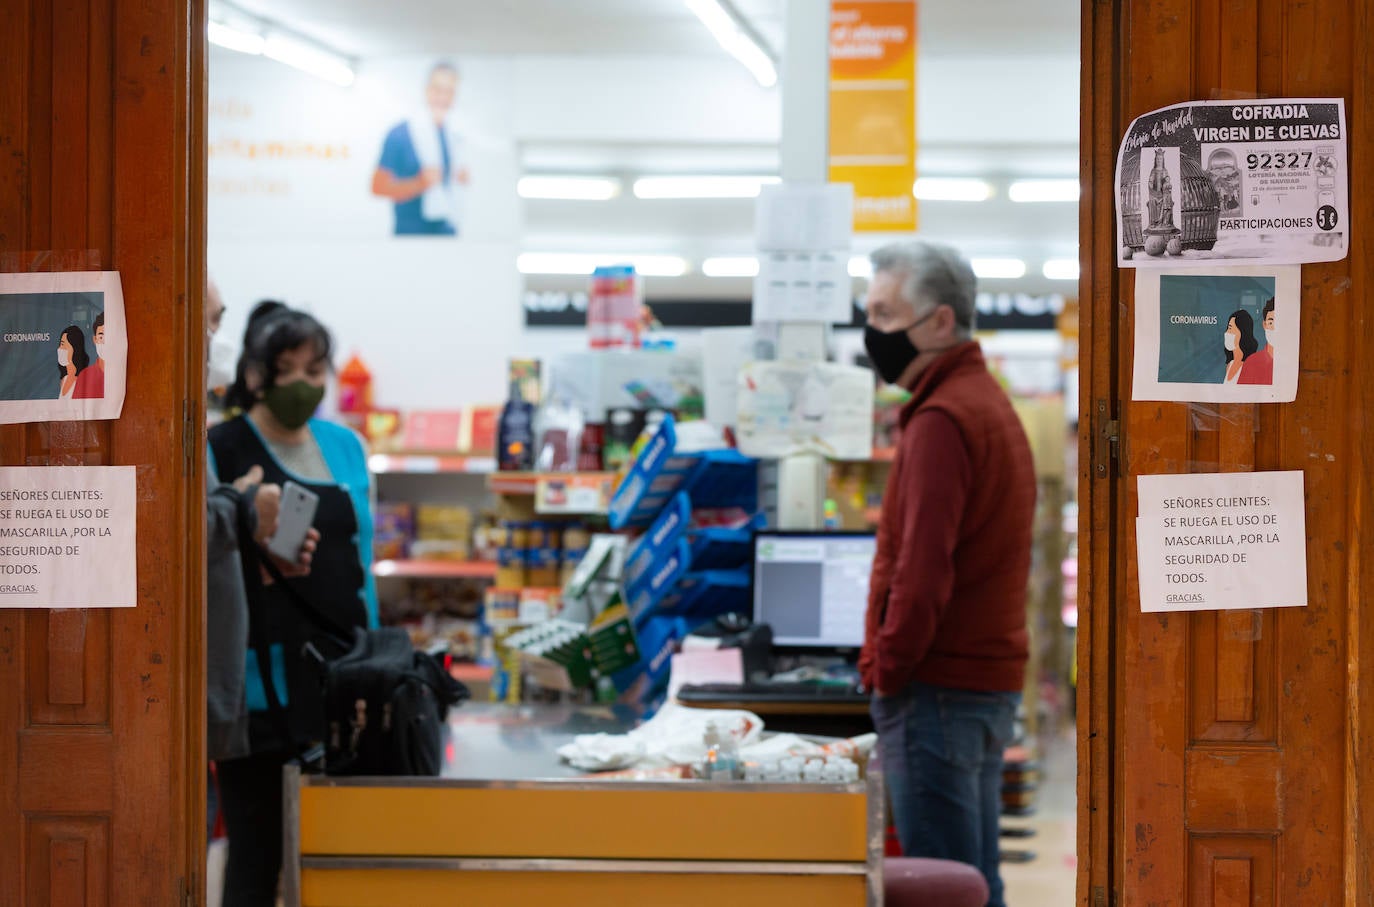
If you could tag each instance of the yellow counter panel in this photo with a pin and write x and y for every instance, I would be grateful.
(428, 888)
(507, 823)
(600, 821)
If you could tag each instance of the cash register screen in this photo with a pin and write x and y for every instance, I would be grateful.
(812, 589)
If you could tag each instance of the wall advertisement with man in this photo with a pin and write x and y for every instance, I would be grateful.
(1256, 181)
(390, 201)
(415, 147)
(63, 346)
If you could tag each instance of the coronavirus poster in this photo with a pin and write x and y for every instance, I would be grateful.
(63, 346)
(1217, 335)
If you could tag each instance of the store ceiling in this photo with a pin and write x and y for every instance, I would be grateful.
(367, 28)
(982, 56)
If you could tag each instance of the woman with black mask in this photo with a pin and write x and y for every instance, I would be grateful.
(281, 380)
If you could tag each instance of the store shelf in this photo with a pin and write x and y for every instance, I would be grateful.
(430, 464)
(879, 455)
(558, 493)
(417, 569)
(467, 672)
(527, 483)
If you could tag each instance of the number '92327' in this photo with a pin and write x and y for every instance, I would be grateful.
(1278, 160)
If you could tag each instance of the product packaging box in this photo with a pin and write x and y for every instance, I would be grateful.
(598, 381)
(393, 531)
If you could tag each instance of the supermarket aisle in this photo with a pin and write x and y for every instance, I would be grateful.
(1049, 879)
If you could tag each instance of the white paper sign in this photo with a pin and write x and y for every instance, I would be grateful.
(67, 537)
(804, 217)
(63, 346)
(1212, 541)
(1253, 181)
(724, 352)
(1217, 335)
(795, 407)
(803, 286)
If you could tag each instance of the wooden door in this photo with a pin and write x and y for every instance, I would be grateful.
(102, 711)
(1222, 753)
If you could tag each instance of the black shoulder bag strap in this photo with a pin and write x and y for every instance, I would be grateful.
(336, 632)
(254, 560)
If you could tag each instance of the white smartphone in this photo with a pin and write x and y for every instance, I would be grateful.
(296, 517)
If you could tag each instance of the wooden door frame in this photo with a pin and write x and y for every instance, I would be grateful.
(1100, 413)
(103, 162)
(1103, 591)
(196, 117)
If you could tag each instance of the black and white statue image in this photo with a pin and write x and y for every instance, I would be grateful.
(1161, 234)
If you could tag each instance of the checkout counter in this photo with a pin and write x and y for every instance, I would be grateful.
(818, 709)
(507, 824)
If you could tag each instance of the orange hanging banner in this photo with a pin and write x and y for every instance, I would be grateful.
(873, 109)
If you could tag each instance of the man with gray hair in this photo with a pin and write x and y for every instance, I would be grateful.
(945, 641)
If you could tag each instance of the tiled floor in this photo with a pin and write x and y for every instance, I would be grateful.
(1049, 879)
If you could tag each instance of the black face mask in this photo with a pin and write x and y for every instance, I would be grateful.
(892, 351)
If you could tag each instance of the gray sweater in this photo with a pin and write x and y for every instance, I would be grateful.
(226, 623)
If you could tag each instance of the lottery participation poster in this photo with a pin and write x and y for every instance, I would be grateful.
(1239, 182)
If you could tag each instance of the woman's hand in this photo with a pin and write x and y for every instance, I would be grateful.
(301, 566)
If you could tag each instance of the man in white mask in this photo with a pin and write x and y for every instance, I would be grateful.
(1259, 368)
(219, 369)
(90, 384)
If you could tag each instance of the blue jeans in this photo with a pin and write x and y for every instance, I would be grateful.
(941, 752)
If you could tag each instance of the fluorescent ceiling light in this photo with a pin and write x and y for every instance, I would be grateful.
(951, 189)
(308, 58)
(1061, 269)
(572, 188)
(230, 38)
(999, 267)
(860, 266)
(731, 266)
(1043, 191)
(701, 186)
(583, 263)
(733, 34)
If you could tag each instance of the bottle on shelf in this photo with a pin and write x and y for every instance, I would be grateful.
(355, 386)
(515, 433)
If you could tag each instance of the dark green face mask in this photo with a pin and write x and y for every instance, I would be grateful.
(293, 404)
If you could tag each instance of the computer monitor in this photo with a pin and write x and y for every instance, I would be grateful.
(812, 587)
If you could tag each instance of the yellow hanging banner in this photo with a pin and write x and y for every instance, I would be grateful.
(873, 109)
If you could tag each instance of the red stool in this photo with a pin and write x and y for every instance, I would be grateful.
(918, 882)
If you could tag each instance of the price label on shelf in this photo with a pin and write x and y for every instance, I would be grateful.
(573, 494)
(538, 605)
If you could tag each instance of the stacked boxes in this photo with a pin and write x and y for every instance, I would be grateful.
(442, 532)
(691, 564)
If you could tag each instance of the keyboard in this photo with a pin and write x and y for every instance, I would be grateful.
(791, 691)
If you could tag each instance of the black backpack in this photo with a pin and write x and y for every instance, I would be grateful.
(385, 705)
(385, 702)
